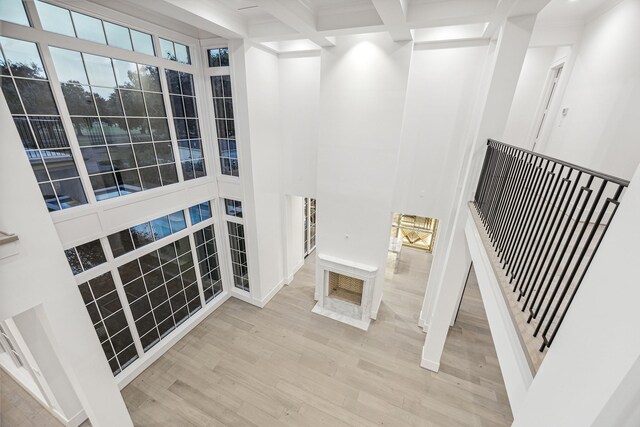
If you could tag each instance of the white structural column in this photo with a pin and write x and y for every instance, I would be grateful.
(37, 275)
(452, 261)
(591, 374)
(255, 80)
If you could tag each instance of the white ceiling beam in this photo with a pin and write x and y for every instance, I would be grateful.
(267, 31)
(295, 15)
(394, 15)
(508, 8)
(208, 16)
(500, 14)
(453, 12)
(528, 7)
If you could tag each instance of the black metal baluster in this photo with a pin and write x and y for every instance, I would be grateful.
(609, 201)
(588, 192)
(532, 218)
(531, 209)
(517, 213)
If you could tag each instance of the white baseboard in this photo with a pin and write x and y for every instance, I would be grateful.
(261, 303)
(296, 268)
(23, 379)
(77, 419)
(374, 311)
(429, 364)
(159, 349)
(423, 324)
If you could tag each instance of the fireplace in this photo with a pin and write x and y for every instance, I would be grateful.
(344, 290)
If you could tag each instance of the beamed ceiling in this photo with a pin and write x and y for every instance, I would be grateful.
(281, 24)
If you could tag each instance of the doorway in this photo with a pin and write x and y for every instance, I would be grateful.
(309, 215)
(411, 243)
(551, 90)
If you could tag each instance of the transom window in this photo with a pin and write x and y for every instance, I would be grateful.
(14, 11)
(218, 57)
(141, 235)
(73, 24)
(233, 207)
(86, 256)
(175, 51)
(199, 213)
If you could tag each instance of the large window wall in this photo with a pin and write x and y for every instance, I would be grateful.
(121, 109)
(105, 110)
(139, 296)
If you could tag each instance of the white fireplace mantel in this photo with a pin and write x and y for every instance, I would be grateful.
(355, 315)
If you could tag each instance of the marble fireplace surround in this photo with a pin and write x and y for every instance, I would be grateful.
(355, 315)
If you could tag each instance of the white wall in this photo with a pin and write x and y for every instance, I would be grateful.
(299, 109)
(528, 96)
(49, 367)
(363, 86)
(597, 346)
(262, 79)
(51, 284)
(294, 235)
(603, 96)
(443, 84)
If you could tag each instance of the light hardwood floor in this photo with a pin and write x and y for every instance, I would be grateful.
(283, 365)
(19, 409)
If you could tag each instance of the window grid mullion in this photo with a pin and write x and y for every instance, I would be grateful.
(65, 117)
(122, 295)
(172, 125)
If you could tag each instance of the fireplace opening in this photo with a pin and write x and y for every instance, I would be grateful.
(345, 288)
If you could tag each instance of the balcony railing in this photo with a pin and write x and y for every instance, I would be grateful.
(545, 219)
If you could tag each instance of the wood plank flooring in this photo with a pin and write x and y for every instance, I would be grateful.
(285, 366)
(19, 409)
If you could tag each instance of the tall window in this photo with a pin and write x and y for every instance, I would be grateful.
(162, 290)
(238, 256)
(309, 225)
(208, 261)
(118, 115)
(223, 106)
(105, 309)
(185, 118)
(28, 93)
